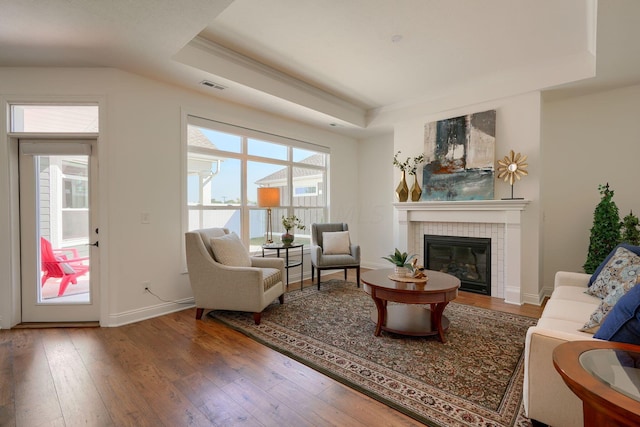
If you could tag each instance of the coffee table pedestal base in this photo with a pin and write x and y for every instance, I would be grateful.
(408, 319)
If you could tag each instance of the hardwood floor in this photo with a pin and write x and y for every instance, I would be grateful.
(176, 371)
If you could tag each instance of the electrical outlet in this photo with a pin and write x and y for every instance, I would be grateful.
(146, 285)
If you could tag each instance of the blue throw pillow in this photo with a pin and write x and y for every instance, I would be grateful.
(622, 323)
(634, 249)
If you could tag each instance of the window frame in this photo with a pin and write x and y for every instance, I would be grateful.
(244, 208)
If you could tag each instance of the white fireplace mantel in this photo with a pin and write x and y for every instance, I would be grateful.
(504, 212)
(488, 211)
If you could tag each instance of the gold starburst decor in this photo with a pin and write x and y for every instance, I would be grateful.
(512, 167)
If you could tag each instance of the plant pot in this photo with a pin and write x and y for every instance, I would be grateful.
(401, 271)
(287, 238)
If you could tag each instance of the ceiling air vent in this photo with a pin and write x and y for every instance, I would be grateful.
(213, 85)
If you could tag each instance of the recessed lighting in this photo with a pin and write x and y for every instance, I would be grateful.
(396, 38)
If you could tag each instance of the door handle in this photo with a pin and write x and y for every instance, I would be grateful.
(96, 244)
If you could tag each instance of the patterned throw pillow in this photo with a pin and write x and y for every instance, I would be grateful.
(616, 278)
(634, 249)
(622, 269)
(622, 324)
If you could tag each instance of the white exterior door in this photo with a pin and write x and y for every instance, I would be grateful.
(58, 230)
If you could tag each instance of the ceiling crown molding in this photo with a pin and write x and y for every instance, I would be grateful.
(220, 61)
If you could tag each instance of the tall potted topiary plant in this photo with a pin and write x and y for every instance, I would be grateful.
(605, 232)
(631, 231)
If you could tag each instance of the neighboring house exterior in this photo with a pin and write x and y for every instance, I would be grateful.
(308, 188)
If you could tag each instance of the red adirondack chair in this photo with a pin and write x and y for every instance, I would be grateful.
(62, 263)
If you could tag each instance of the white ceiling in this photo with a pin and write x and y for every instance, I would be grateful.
(348, 47)
(336, 61)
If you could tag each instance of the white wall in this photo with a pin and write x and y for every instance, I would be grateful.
(587, 141)
(375, 197)
(517, 128)
(140, 168)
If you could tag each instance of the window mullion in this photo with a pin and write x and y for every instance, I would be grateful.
(245, 213)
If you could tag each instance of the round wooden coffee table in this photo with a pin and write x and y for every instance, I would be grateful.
(407, 318)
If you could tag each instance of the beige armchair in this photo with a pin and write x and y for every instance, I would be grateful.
(224, 277)
(333, 251)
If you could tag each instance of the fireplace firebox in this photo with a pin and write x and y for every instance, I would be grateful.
(467, 258)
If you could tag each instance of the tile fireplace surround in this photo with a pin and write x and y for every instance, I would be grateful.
(499, 220)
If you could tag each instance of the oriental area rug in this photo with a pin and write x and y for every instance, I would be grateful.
(474, 379)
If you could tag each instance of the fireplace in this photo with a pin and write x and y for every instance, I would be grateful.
(500, 220)
(467, 258)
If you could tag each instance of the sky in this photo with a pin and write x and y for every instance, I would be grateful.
(227, 181)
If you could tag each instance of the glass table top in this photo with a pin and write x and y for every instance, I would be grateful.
(619, 369)
(276, 245)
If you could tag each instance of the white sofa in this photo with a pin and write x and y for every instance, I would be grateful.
(546, 397)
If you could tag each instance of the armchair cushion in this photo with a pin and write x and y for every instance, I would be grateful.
(229, 250)
(271, 277)
(336, 243)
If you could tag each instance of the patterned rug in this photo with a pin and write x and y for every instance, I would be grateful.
(475, 379)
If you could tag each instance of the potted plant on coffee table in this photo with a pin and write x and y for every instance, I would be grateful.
(402, 262)
(289, 223)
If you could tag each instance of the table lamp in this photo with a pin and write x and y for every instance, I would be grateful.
(269, 197)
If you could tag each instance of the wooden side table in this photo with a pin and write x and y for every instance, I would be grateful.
(605, 375)
(287, 265)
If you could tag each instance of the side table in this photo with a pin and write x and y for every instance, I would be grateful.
(287, 265)
(605, 375)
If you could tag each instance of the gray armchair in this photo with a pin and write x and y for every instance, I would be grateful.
(340, 259)
(219, 286)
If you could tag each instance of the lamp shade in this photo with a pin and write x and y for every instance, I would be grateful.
(268, 197)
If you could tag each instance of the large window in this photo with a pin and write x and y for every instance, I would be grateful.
(227, 164)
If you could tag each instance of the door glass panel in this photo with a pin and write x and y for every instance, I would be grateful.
(62, 198)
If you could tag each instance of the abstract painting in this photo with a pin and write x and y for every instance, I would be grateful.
(459, 155)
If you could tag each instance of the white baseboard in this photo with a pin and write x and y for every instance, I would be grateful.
(137, 315)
